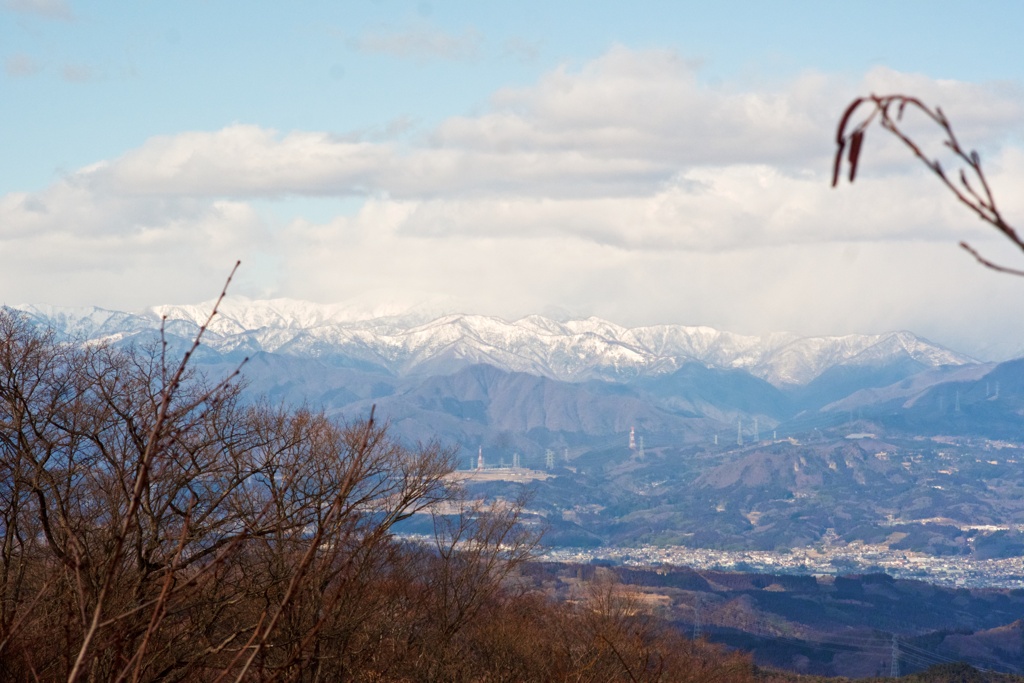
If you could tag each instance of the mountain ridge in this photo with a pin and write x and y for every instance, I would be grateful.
(414, 342)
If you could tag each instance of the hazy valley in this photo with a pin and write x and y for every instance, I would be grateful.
(739, 442)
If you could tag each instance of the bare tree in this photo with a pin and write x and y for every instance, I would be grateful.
(155, 526)
(968, 185)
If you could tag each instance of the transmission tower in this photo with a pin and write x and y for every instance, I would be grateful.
(739, 432)
(894, 667)
(697, 620)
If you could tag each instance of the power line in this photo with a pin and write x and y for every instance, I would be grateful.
(899, 650)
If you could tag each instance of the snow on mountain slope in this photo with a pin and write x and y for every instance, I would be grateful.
(407, 342)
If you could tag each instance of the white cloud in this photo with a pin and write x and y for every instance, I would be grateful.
(623, 125)
(931, 288)
(244, 161)
(649, 105)
(711, 209)
(67, 242)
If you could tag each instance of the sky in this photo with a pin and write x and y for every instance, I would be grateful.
(643, 162)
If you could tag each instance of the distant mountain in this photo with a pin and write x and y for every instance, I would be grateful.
(404, 343)
(536, 384)
(765, 442)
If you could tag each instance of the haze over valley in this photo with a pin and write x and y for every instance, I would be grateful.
(660, 436)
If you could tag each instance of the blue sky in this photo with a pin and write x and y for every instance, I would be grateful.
(646, 162)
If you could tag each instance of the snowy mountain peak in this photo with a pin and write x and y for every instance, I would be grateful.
(403, 342)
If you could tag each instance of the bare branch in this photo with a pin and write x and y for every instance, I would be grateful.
(168, 394)
(989, 264)
(976, 195)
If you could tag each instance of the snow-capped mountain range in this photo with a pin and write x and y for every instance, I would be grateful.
(416, 343)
